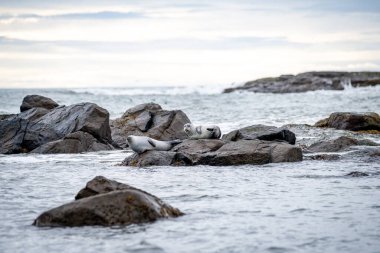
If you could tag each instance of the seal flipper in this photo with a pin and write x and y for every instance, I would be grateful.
(175, 142)
(210, 129)
(152, 143)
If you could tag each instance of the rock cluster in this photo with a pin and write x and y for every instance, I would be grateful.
(310, 81)
(233, 149)
(47, 128)
(107, 202)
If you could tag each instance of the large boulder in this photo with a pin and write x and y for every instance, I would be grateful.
(310, 81)
(340, 144)
(149, 120)
(37, 101)
(218, 153)
(107, 203)
(352, 121)
(35, 127)
(261, 132)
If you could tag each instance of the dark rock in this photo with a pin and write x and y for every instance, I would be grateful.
(324, 157)
(33, 101)
(106, 202)
(351, 121)
(30, 129)
(261, 132)
(310, 81)
(77, 142)
(357, 174)
(339, 144)
(218, 153)
(149, 120)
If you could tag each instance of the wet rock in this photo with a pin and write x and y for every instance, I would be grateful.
(351, 121)
(357, 174)
(35, 127)
(37, 101)
(107, 202)
(218, 153)
(310, 81)
(77, 142)
(339, 144)
(149, 120)
(261, 132)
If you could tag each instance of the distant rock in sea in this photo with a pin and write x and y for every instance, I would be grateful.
(369, 121)
(309, 81)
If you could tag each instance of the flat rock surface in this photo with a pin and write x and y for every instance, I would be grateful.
(218, 153)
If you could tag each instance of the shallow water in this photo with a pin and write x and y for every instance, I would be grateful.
(310, 206)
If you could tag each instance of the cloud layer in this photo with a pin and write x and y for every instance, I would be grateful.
(62, 44)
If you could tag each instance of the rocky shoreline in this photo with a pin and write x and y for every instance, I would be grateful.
(309, 81)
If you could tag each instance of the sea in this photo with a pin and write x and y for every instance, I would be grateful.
(308, 206)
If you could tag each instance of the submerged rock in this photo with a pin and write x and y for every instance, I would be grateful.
(310, 81)
(357, 174)
(107, 202)
(261, 132)
(37, 101)
(149, 120)
(218, 153)
(35, 127)
(351, 121)
(339, 144)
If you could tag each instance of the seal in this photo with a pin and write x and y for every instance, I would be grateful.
(202, 132)
(140, 144)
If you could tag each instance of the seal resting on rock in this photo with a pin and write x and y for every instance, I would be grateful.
(140, 144)
(202, 132)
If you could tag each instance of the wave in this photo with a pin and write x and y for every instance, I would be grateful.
(133, 91)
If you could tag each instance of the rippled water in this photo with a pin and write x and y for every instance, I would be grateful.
(310, 206)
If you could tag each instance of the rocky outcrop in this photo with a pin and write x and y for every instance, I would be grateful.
(310, 81)
(357, 174)
(31, 129)
(218, 153)
(37, 101)
(352, 121)
(261, 132)
(149, 120)
(107, 202)
(340, 144)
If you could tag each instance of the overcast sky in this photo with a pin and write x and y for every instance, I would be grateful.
(133, 43)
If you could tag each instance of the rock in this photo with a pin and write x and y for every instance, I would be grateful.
(310, 81)
(37, 101)
(261, 132)
(351, 121)
(324, 157)
(149, 120)
(32, 128)
(339, 144)
(357, 174)
(13, 129)
(218, 153)
(107, 202)
(77, 142)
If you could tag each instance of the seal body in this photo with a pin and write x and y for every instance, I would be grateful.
(140, 144)
(202, 132)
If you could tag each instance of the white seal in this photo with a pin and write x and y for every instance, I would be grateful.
(140, 144)
(202, 132)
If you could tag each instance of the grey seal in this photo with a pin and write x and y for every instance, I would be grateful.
(140, 144)
(202, 132)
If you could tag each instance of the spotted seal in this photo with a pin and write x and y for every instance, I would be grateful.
(140, 144)
(202, 132)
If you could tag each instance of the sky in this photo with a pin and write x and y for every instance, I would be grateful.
(58, 44)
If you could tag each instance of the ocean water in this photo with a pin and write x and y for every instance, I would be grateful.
(308, 206)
